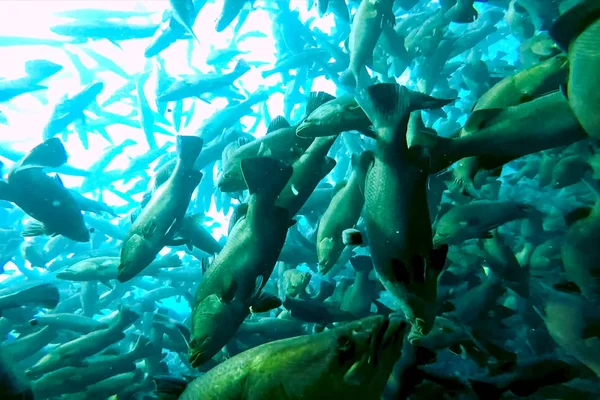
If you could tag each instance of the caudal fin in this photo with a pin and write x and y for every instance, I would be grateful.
(361, 263)
(50, 153)
(265, 177)
(388, 104)
(188, 150)
(316, 100)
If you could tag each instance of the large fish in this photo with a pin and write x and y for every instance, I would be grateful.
(578, 33)
(234, 281)
(351, 361)
(396, 210)
(43, 197)
(162, 217)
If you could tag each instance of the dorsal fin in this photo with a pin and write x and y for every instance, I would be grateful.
(316, 100)
(279, 122)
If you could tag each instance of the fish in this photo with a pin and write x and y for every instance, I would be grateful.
(30, 188)
(360, 356)
(162, 217)
(233, 282)
(576, 32)
(343, 213)
(396, 213)
(366, 28)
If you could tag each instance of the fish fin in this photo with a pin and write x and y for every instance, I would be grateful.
(50, 153)
(567, 287)
(437, 257)
(188, 150)
(149, 229)
(573, 22)
(115, 43)
(169, 387)
(107, 284)
(265, 177)
(265, 302)
(316, 100)
(60, 182)
(361, 263)
(366, 160)
(241, 67)
(480, 118)
(385, 104)
(447, 307)
(204, 264)
(455, 349)
(592, 330)
(279, 122)
(502, 312)
(264, 151)
(5, 191)
(180, 242)
(258, 283)
(34, 228)
(229, 289)
(348, 79)
(577, 215)
(485, 390)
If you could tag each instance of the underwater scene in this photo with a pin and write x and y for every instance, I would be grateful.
(299, 199)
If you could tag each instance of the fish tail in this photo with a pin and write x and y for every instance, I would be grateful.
(45, 294)
(188, 150)
(51, 153)
(347, 78)
(125, 318)
(361, 263)
(241, 67)
(265, 176)
(573, 22)
(385, 104)
(485, 390)
(169, 387)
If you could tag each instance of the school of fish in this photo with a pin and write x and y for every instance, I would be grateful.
(428, 229)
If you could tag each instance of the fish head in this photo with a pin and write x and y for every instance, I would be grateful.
(313, 126)
(366, 349)
(136, 255)
(328, 254)
(214, 322)
(231, 179)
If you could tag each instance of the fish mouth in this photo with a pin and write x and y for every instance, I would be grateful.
(303, 127)
(196, 359)
(385, 336)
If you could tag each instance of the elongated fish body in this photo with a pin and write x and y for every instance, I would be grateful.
(516, 89)
(334, 117)
(184, 13)
(338, 363)
(581, 255)
(43, 197)
(343, 213)
(578, 33)
(231, 9)
(366, 28)
(477, 219)
(162, 217)
(396, 210)
(235, 279)
(501, 135)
